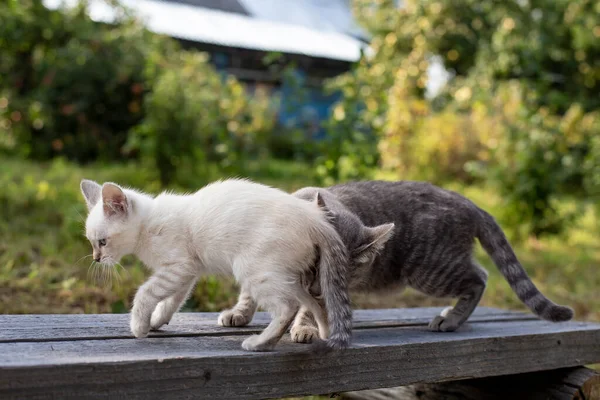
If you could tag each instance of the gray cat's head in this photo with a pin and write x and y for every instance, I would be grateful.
(111, 227)
(363, 242)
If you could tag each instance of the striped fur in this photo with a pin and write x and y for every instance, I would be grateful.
(333, 260)
(429, 247)
(494, 242)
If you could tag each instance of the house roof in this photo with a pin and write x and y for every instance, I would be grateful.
(329, 16)
(205, 25)
(232, 6)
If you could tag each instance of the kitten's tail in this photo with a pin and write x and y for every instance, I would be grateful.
(494, 242)
(332, 267)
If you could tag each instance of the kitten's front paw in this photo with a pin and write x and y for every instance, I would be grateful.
(254, 343)
(445, 311)
(304, 333)
(443, 323)
(139, 327)
(233, 318)
(160, 317)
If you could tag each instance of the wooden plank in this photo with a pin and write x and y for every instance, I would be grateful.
(14, 328)
(216, 367)
(562, 384)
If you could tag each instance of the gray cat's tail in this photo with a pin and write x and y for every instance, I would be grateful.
(332, 272)
(494, 242)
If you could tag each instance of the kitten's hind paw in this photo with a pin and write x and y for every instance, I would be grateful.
(233, 318)
(304, 334)
(255, 343)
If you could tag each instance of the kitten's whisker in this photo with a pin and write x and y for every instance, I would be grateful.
(89, 270)
(111, 272)
(115, 272)
(105, 276)
(118, 264)
(101, 275)
(95, 272)
(80, 216)
(82, 258)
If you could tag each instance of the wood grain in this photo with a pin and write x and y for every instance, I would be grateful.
(563, 384)
(30, 328)
(216, 367)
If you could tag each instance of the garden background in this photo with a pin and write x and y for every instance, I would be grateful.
(516, 129)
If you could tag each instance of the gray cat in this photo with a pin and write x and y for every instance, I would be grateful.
(428, 247)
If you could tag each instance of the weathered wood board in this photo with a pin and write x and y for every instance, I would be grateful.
(95, 357)
(15, 328)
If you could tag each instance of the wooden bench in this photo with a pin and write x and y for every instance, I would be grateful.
(94, 356)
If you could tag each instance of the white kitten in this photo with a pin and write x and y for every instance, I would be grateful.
(264, 237)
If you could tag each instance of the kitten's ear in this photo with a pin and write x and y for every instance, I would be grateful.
(114, 200)
(319, 202)
(375, 240)
(91, 191)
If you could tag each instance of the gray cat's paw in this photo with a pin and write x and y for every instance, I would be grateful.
(445, 311)
(304, 333)
(233, 318)
(443, 323)
(255, 343)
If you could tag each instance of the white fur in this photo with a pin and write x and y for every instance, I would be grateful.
(262, 236)
(445, 311)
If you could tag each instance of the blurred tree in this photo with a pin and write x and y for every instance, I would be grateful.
(72, 87)
(194, 118)
(63, 89)
(541, 57)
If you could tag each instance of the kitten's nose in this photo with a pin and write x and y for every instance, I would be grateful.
(97, 258)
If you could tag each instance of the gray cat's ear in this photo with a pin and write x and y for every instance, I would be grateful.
(376, 238)
(319, 202)
(114, 200)
(91, 192)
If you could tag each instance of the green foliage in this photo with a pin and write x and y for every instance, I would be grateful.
(592, 171)
(62, 91)
(72, 87)
(520, 111)
(349, 150)
(194, 117)
(541, 159)
(552, 47)
(357, 120)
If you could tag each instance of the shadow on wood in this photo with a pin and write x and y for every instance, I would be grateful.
(561, 384)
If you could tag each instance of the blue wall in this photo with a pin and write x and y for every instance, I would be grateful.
(300, 105)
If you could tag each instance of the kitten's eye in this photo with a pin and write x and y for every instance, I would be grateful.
(102, 242)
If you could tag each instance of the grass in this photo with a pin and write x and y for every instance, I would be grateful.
(44, 257)
(44, 268)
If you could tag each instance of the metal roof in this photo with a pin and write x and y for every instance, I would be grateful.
(232, 6)
(329, 15)
(205, 25)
